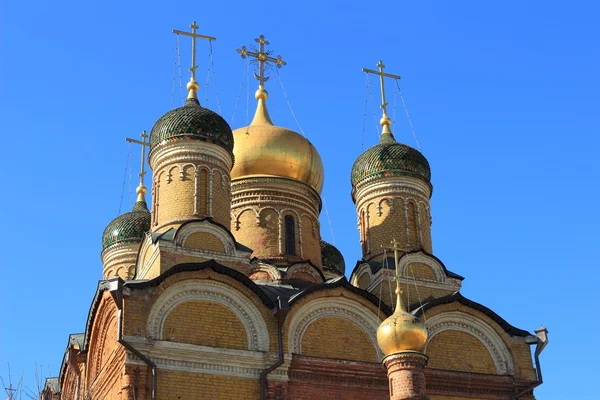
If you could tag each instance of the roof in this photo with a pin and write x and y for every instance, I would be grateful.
(332, 258)
(458, 297)
(192, 122)
(389, 263)
(129, 227)
(390, 158)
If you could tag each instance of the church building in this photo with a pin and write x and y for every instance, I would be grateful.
(217, 284)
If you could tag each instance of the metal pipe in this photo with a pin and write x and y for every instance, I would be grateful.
(540, 341)
(116, 291)
(281, 312)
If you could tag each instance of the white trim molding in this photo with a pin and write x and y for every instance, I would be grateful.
(459, 321)
(217, 292)
(332, 307)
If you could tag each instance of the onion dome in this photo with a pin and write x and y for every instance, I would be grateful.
(390, 158)
(129, 227)
(192, 122)
(401, 332)
(263, 149)
(332, 258)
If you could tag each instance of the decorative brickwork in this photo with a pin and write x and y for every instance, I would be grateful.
(406, 375)
(259, 208)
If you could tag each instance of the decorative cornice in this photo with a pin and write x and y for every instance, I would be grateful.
(205, 359)
(387, 185)
(190, 152)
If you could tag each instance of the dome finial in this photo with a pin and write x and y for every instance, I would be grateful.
(385, 121)
(192, 85)
(264, 59)
(402, 331)
(141, 189)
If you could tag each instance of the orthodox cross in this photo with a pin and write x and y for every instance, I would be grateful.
(396, 248)
(144, 144)
(262, 57)
(194, 36)
(381, 75)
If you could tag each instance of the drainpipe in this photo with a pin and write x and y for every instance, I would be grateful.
(281, 312)
(540, 340)
(116, 291)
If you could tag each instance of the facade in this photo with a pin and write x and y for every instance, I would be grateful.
(221, 287)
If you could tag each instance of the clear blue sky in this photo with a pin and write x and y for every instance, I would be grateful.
(503, 97)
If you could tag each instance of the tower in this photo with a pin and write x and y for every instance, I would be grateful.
(122, 237)
(401, 338)
(391, 189)
(276, 183)
(191, 155)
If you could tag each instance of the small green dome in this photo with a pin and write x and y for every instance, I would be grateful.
(192, 122)
(332, 258)
(129, 227)
(390, 158)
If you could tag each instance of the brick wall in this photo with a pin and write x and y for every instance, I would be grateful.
(338, 338)
(179, 385)
(205, 323)
(459, 351)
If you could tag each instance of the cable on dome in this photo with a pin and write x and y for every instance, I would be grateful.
(412, 128)
(237, 101)
(328, 221)
(362, 140)
(394, 120)
(417, 289)
(373, 107)
(288, 102)
(179, 63)
(212, 61)
(207, 76)
(247, 95)
(174, 75)
(124, 178)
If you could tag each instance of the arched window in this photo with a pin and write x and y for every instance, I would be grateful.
(290, 235)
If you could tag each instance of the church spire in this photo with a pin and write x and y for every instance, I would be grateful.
(192, 85)
(385, 120)
(264, 59)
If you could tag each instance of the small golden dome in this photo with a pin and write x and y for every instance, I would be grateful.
(402, 331)
(263, 149)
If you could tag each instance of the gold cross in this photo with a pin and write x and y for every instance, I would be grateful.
(194, 36)
(396, 248)
(262, 57)
(381, 75)
(144, 144)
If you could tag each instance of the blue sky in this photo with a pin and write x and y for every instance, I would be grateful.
(503, 97)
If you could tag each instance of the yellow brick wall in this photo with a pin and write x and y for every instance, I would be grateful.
(459, 351)
(176, 198)
(263, 239)
(333, 337)
(383, 228)
(520, 352)
(311, 244)
(204, 241)
(221, 210)
(420, 271)
(425, 228)
(364, 280)
(205, 323)
(179, 385)
(137, 306)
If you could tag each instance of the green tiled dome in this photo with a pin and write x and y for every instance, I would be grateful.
(390, 158)
(129, 227)
(192, 122)
(332, 258)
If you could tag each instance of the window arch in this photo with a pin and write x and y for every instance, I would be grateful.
(290, 235)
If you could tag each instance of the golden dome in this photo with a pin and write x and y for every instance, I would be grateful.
(402, 331)
(263, 149)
